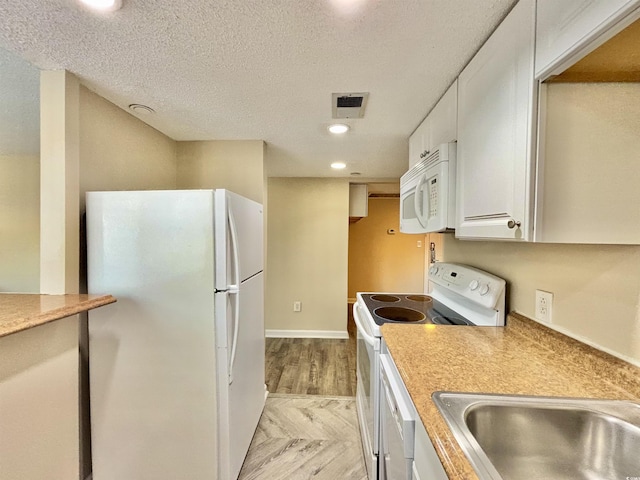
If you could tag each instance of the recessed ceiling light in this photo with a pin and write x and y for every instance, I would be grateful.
(103, 5)
(338, 165)
(139, 108)
(348, 7)
(338, 128)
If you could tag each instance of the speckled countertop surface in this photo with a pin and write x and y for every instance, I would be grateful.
(523, 358)
(22, 311)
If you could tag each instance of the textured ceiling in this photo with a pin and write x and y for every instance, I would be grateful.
(265, 69)
(19, 106)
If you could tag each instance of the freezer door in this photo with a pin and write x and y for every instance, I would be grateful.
(241, 389)
(152, 355)
(239, 238)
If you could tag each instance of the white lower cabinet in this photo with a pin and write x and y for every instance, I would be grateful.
(497, 97)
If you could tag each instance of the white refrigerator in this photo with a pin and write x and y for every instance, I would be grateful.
(177, 364)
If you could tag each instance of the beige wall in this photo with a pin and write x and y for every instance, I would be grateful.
(38, 403)
(591, 175)
(119, 152)
(237, 165)
(19, 223)
(380, 262)
(307, 254)
(596, 288)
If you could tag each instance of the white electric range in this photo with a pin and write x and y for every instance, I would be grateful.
(459, 295)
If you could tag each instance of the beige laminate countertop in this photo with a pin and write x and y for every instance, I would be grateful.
(22, 311)
(523, 357)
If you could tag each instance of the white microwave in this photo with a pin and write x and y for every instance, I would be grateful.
(428, 193)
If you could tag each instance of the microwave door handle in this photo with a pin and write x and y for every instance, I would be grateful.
(417, 198)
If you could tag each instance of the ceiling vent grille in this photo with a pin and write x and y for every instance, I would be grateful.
(349, 105)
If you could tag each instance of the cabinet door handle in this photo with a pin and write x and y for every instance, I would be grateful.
(513, 224)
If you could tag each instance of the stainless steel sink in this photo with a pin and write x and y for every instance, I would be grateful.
(514, 437)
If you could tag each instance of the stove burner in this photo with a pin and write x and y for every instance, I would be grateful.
(420, 298)
(385, 298)
(399, 314)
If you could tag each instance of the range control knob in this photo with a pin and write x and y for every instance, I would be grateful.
(474, 284)
(484, 289)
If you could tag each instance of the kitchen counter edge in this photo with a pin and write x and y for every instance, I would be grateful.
(22, 311)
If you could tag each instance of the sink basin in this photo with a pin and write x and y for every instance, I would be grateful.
(515, 437)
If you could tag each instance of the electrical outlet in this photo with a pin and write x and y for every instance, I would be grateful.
(544, 304)
(297, 306)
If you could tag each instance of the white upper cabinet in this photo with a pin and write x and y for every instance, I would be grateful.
(419, 143)
(444, 118)
(569, 29)
(439, 127)
(497, 98)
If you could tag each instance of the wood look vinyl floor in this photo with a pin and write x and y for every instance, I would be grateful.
(309, 426)
(312, 366)
(303, 437)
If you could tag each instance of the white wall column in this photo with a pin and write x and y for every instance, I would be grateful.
(50, 378)
(59, 182)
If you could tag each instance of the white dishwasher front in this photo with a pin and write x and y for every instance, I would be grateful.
(397, 424)
(426, 464)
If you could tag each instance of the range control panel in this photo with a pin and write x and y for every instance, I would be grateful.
(476, 285)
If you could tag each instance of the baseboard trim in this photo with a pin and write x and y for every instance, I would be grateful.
(306, 334)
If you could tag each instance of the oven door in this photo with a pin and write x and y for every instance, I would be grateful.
(367, 390)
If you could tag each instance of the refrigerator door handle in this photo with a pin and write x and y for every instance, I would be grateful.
(234, 289)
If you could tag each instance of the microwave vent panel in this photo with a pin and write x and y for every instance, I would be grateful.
(349, 105)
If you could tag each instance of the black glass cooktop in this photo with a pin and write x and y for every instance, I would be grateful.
(410, 308)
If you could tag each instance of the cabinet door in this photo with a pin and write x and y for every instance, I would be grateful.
(443, 119)
(569, 29)
(496, 93)
(418, 143)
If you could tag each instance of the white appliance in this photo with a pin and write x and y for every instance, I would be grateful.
(367, 387)
(177, 364)
(427, 193)
(460, 296)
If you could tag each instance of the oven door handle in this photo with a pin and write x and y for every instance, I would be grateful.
(370, 339)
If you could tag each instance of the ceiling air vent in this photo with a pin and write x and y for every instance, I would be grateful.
(349, 105)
